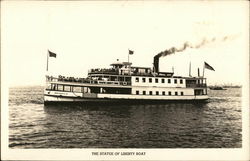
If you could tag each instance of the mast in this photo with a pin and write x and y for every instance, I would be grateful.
(190, 69)
(47, 68)
(128, 57)
(203, 70)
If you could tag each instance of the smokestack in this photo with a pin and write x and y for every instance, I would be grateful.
(156, 64)
(198, 72)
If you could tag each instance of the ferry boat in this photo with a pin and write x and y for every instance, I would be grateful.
(123, 82)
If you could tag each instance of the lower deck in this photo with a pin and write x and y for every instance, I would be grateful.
(55, 96)
(128, 90)
(85, 92)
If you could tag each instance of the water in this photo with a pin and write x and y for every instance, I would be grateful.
(215, 124)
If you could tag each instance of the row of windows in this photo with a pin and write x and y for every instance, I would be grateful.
(58, 87)
(156, 80)
(158, 93)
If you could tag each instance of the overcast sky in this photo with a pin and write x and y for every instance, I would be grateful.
(88, 35)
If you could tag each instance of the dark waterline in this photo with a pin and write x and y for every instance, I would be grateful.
(215, 124)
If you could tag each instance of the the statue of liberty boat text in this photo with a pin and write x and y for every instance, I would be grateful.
(123, 82)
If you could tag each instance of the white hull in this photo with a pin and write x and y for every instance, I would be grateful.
(79, 97)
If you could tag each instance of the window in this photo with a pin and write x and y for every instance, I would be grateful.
(143, 80)
(49, 87)
(182, 93)
(53, 87)
(163, 92)
(144, 92)
(169, 80)
(176, 93)
(150, 92)
(175, 81)
(77, 89)
(150, 80)
(162, 80)
(156, 80)
(136, 79)
(169, 93)
(157, 92)
(181, 81)
(67, 88)
(60, 87)
(137, 92)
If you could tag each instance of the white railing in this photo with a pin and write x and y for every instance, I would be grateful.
(86, 80)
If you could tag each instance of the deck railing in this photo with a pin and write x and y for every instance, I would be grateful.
(103, 71)
(86, 80)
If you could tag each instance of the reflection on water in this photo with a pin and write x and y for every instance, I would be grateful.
(214, 124)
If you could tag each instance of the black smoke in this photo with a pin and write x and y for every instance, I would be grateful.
(184, 47)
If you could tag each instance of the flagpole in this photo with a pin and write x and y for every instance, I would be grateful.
(128, 58)
(203, 70)
(47, 62)
(128, 63)
(190, 69)
(128, 55)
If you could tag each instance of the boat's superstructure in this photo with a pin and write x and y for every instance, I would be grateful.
(123, 82)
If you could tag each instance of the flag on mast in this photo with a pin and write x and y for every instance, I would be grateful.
(51, 54)
(131, 52)
(208, 66)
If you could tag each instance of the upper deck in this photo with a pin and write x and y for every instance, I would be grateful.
(86, 81)
(125, 68)
(124, 76)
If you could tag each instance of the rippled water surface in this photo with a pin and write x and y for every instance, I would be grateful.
(215, 124)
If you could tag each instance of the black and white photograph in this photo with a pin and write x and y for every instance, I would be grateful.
(122, 80)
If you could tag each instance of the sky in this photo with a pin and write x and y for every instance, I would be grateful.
(87, 35)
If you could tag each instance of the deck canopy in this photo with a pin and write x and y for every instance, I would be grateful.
(120, 64)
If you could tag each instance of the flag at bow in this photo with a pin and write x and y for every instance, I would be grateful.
(51, 54)
(208, 66)
(130, 52)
